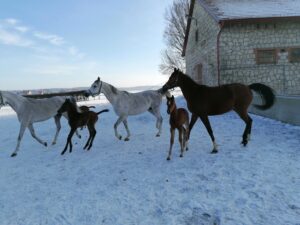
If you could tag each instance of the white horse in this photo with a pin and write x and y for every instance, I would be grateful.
(31, 110)
(127, 104)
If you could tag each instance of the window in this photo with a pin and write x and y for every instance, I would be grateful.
(294, 55)
(266, 56)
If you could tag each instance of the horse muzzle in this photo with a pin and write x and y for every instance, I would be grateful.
(87, 93)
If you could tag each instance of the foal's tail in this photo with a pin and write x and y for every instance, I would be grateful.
(266, 93)
(91, 107)
(102, 111)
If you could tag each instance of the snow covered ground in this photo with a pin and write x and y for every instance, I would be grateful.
(132, 183)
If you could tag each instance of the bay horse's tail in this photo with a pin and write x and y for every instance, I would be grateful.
(102, 111)
(266, 93)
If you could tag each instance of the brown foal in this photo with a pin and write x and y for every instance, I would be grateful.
(76, 120)
(179, 119)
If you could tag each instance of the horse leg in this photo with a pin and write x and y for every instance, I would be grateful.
(206, 123)
(192, 123)
(69, 141)
(181, 140)
(58, 127)
(121, 118)
(31, 129)
(156, 112)
(247, 119)
(127, 129)
(172, 130)
(21, 133)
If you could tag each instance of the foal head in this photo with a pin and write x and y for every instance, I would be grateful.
(173, 80)
(171, 104)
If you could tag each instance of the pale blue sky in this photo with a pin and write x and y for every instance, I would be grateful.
(68, 43)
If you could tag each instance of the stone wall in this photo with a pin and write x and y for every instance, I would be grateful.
(238, 63)
(204, 50)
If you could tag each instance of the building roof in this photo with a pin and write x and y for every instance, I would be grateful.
(223, 11)
(247, 9)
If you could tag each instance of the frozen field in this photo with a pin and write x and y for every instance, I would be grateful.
(132, 183)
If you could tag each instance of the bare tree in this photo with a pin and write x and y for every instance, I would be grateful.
(174, 34)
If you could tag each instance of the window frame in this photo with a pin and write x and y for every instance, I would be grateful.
(291, 58)
(259, 61)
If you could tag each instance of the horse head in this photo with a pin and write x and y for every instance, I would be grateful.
(95, 88)
(173, 80)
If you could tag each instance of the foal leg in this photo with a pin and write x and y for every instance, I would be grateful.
(181, 141)
(31, 129)
(206, 123)
(21, 133)
(172, 130)
(69, 141)
(93, 137)
(121, 118)
(127, 129)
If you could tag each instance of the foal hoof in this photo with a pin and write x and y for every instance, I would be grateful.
(45, 144)
(126, 139)
(181, 156)
(244, 143)
(13, 155)
(120, 137)
(168, 158)
(158, 135)
(215, 151)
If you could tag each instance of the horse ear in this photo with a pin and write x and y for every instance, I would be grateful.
(175, 69)
(98, 79)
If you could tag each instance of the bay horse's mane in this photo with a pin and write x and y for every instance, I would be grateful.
(188, 80)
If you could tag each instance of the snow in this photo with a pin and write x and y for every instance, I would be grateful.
(118, 182)
(238, 9)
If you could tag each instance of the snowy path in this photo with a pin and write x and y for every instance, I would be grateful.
(120, 183)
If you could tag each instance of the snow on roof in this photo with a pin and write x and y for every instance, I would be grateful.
(243, 9)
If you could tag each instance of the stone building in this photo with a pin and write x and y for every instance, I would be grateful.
(247, 41)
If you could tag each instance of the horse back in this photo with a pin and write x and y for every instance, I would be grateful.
(220, 99)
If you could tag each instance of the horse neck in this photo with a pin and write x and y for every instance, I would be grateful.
(72, 111)
(14, 100)
(108, 92)
(187, 86)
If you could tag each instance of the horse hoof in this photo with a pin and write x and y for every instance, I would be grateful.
(215, 151)
(13, 155)
(126, 139)
(168, 158)
(120, 137)
(187, 149)
(62, 153)
(45, 144)
(244, 143)
(53, 143)
(158, 135)
(181, 156)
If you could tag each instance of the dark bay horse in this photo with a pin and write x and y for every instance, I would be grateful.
(204, 101)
